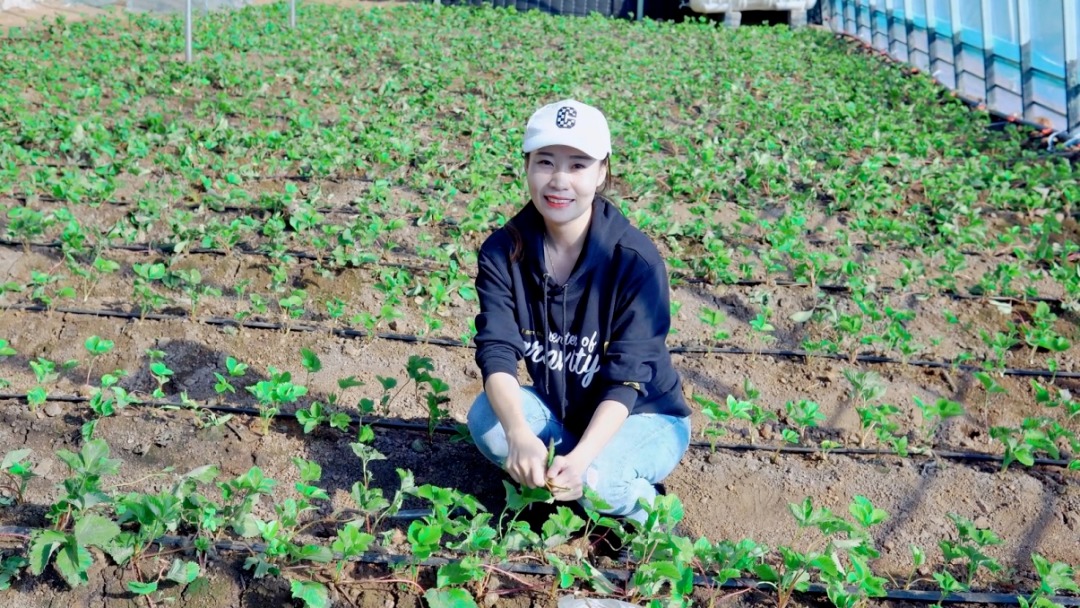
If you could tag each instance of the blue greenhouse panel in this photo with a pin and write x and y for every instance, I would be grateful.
(1020, 57)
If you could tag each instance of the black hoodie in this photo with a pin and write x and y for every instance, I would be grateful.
(603, 332)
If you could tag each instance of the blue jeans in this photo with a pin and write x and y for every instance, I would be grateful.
(622, 473)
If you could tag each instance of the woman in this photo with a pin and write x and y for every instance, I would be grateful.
(572, 288)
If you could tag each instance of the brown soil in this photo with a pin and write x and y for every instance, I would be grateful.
(727, 494)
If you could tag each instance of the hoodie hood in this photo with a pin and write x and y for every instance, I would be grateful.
(606, 228)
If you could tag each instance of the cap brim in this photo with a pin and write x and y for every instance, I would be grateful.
(596, 153)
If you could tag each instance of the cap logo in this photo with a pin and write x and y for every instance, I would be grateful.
(566, 117)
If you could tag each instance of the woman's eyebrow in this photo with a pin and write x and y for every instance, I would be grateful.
(581, 157)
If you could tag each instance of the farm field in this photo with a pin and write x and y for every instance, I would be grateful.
(237, 302)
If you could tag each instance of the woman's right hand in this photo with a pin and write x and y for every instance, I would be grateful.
(526, 460)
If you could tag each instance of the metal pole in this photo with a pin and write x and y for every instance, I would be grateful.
(909, 31)
(1027, 70)
(890, 26)
(292, 14)
(957, 41)
(863, 21)
(873, 25)
(1071, 12)
(640, 9)
(187, 31)
(931, 38)
(989, 81)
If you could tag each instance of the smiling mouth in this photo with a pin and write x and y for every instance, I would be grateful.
(558, 202)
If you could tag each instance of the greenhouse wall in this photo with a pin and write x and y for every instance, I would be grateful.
(1019, 57)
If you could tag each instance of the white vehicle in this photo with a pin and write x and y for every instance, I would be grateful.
(733, 9)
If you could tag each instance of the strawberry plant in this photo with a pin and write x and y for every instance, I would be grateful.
(16, 475)
(967, 549)
(273, 393)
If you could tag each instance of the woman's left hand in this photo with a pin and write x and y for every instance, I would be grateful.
(565, 478)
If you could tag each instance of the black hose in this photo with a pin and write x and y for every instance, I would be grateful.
(621, 575)
(249, 250)
(392, 424)
(448, 342)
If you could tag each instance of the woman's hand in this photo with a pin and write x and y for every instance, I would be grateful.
(566, 476)
(526, 461)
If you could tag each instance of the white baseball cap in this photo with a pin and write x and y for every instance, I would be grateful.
(569, 123)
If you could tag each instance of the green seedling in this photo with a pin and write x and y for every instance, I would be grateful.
(45, 372)
(100, 268)
(1054, 577)
(96, 347)
(16, 475)
(805, 414)
(10, 567)
(991, 388)
(968, 548)
(161, 374)
(272, 394)
(842, 564)
(715, 320)
(1035, 435)
(934, 415)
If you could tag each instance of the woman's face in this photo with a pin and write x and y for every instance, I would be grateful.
(562, 184)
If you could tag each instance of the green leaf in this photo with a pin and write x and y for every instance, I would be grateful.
(313, 594)
(204, 474)
(449, 598)
(351, 381)
(142, 588)
(42, 546)
(918, 556)
(309, 470)
(866, 513)
(98, 346)
(802, 316)
(767, 573)
(351, 541)
(72, 562)
(311, 360)
(95, 530)
(459, 572)
(1054, 577)
(340, 421)
(182, 572)
(312, 492)
(315, 553)
(9, 569)
(247, 526)
(13, 457)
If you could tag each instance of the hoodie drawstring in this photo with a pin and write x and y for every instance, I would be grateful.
(562, 348)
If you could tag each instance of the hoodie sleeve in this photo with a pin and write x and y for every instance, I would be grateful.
(639, 332)
(498, 340)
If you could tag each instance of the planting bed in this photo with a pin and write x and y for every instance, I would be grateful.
(262, 262)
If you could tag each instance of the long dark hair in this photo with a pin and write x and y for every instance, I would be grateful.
(515, 236)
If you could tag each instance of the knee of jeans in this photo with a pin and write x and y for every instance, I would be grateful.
(619, 490)
(481, 416)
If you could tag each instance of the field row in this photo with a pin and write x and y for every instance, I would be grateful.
(901, 325)
(822, 403)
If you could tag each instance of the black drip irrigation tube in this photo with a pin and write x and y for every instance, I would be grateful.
(241, 249)
(401, 425)
(835, 288)
(248, 250)
(696, 350)
(620, 575)
(450, 343)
